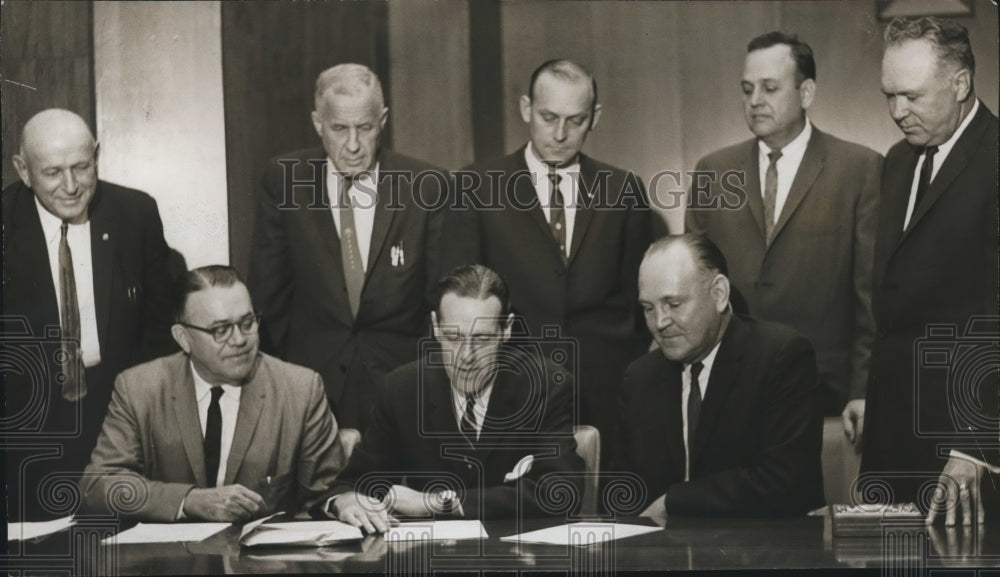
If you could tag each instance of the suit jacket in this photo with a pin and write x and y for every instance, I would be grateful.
(756, 451)
(297, 277)
(131, 295)
(592, 297)
(414, 434)
(816, 274)
(932, 281)
(150, 452)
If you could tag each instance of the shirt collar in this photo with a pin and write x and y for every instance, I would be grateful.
(51, 224)
(333, 182)
(709, 359)
(796, 147)
(482, 397)
(203, 388)
(945, 148)
(536, 166)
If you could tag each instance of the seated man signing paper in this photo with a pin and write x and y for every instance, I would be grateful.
(722, 419)
(218, 432)
(474, 425)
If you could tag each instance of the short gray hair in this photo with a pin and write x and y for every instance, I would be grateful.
(949, 38)
(349, 79)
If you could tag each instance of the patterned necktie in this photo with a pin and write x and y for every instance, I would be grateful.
(74, 387)
(213, 437)
(694, 403)
(354, 271)
(926, 170)
(469, 419)
(771, 193)
(557, 212)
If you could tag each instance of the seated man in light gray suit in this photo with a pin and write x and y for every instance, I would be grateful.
(218, 432)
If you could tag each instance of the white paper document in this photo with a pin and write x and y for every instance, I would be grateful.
(166, 533)
(29, 530)
(299, 534)
(582, 534)
(437, 531)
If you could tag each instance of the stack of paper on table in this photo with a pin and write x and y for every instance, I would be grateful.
(166, 533)
(583, 533)
(24, 531)
(324, 533)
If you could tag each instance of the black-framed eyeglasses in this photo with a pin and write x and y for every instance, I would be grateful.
(221, 333)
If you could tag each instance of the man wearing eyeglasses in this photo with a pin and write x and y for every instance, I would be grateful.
(477, 428)
(219, 431)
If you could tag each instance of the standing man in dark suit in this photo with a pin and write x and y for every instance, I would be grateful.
(477, 428)
(936, 277)
(565, 231)
(345, 246)
(722, 420)
(800, 240)
(85, 295)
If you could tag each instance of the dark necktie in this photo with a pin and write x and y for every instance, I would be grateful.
(354, 271)
(213, 437)
(557, 212)
(469, 419)
(771, 193)
(694, 403)
(926, 170)
(74, 387)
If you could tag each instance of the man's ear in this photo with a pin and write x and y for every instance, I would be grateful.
(434, 326)
(962, 81)
(720, 292)
(181, 336)
(507, 326)
(97, 149)
(21, 165)
(317, 121)
(383, 118)
(807, 92)
(596, 117)
(525, 103)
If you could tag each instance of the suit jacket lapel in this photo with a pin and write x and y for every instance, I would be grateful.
(26, 252)
(725, 371)
(252, 400)
(321, 218)
(953, 165)
(383, 218)
(588, 185)
(525, 195)
(185, 407)
(103, 246)
(805, 176)
(896, 196)
(751, 169)
(668, 394)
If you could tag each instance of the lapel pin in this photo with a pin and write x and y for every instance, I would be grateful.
(104, 237)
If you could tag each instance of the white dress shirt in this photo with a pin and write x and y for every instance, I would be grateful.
(939, 158)
(479, 409)
(568, 185)
(364, 199)
(78, 238)
(787, 166)
(229, 404)
(706, 372)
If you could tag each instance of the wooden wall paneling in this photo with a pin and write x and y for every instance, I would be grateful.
(46, 61)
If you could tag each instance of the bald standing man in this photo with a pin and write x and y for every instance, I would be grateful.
(85, 296)
(345, 247)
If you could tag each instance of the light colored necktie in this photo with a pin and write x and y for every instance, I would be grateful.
(770, 193)
(74, 387)
(354, 271)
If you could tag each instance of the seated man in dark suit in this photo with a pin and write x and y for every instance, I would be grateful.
(746, 440)
(474, 425)
(218, 432)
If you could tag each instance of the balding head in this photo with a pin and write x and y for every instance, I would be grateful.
(58, 162)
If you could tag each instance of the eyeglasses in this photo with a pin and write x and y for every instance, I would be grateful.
(221, 333)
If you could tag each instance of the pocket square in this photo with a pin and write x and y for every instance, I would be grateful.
(520, 469)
